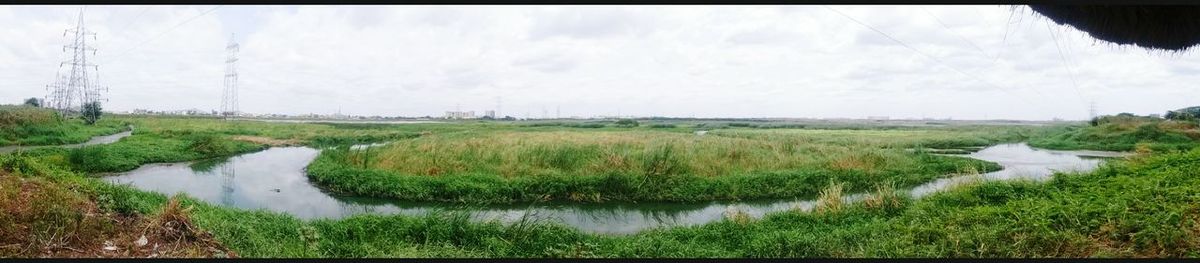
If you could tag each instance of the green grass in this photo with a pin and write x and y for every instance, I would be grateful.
(496, 166)
(1118, 133)
(24, 125)
(1143, 207)
(1146, 207)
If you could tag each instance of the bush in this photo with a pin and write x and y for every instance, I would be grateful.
(210, 145)
(627, 123)
(91, 112)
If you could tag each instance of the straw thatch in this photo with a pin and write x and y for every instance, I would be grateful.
(1174, 28)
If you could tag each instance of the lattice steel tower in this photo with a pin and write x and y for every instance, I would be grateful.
(76, 87)
(229, 98)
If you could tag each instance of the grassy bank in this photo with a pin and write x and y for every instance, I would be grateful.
(640, 165)
(24, 125)
(1122, 133)
(174, 139)
(47, 212)
(1145, 207)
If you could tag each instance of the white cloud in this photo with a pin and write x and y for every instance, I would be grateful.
(793, 61)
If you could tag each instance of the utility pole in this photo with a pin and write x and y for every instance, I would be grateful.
(229, 98)
(1092, 110)
(498, 114)
(76, 85)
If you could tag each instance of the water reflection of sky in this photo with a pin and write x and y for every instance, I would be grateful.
(249, 182)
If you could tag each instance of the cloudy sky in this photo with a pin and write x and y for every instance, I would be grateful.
(962, 62)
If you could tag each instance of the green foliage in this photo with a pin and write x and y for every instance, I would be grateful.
(90, 112)
(33, 102)
(25, 125)
(1121, 133)
(139, 149)
(1140, 207)
(1184, 114)
(626, 123)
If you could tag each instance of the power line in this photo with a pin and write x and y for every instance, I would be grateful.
(1071, 73)
(960, 36)
(935, 59)
(1004, 41)
(139, 45)
(127, 24)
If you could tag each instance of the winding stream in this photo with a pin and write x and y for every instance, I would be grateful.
(103, 139)
(274, 180)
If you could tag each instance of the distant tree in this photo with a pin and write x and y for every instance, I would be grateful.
(485, 117)
(1184, 114)
(1126, 114)
(33, 102)
(508, 118)
(627, 123)
(91, 112)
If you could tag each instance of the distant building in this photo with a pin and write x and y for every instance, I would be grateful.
(460, 115)
(490, 114)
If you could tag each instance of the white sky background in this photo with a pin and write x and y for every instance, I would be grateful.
(682, 61)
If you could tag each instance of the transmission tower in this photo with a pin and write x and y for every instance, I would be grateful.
(1092, 110)
(229, 98)
(70, 91)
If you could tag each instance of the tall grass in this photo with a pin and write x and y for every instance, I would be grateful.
(24, 125)
(595, 166)
(1123, 134)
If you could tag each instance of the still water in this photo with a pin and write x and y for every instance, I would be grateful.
(274, 180)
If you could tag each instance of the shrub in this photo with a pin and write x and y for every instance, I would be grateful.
(91, 112)
(627, 123)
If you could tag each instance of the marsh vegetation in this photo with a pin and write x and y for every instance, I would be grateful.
(1131, 207)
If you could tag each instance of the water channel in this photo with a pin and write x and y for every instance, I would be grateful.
(274, 179)
(104, 139)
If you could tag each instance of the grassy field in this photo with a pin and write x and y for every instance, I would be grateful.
(645, 164)
(1145, 206)
(24, 125)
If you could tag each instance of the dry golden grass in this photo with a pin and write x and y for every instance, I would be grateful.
(830, 199)
(46, 219)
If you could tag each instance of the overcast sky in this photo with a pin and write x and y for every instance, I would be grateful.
(969, 62)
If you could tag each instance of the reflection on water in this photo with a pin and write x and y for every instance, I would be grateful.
(274, 180)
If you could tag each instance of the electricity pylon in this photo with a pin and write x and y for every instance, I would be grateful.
(229, 98)
(72, 90)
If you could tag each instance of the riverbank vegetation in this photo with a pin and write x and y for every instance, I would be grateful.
(1124, 132)
(1142, 207)
(27, 125)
